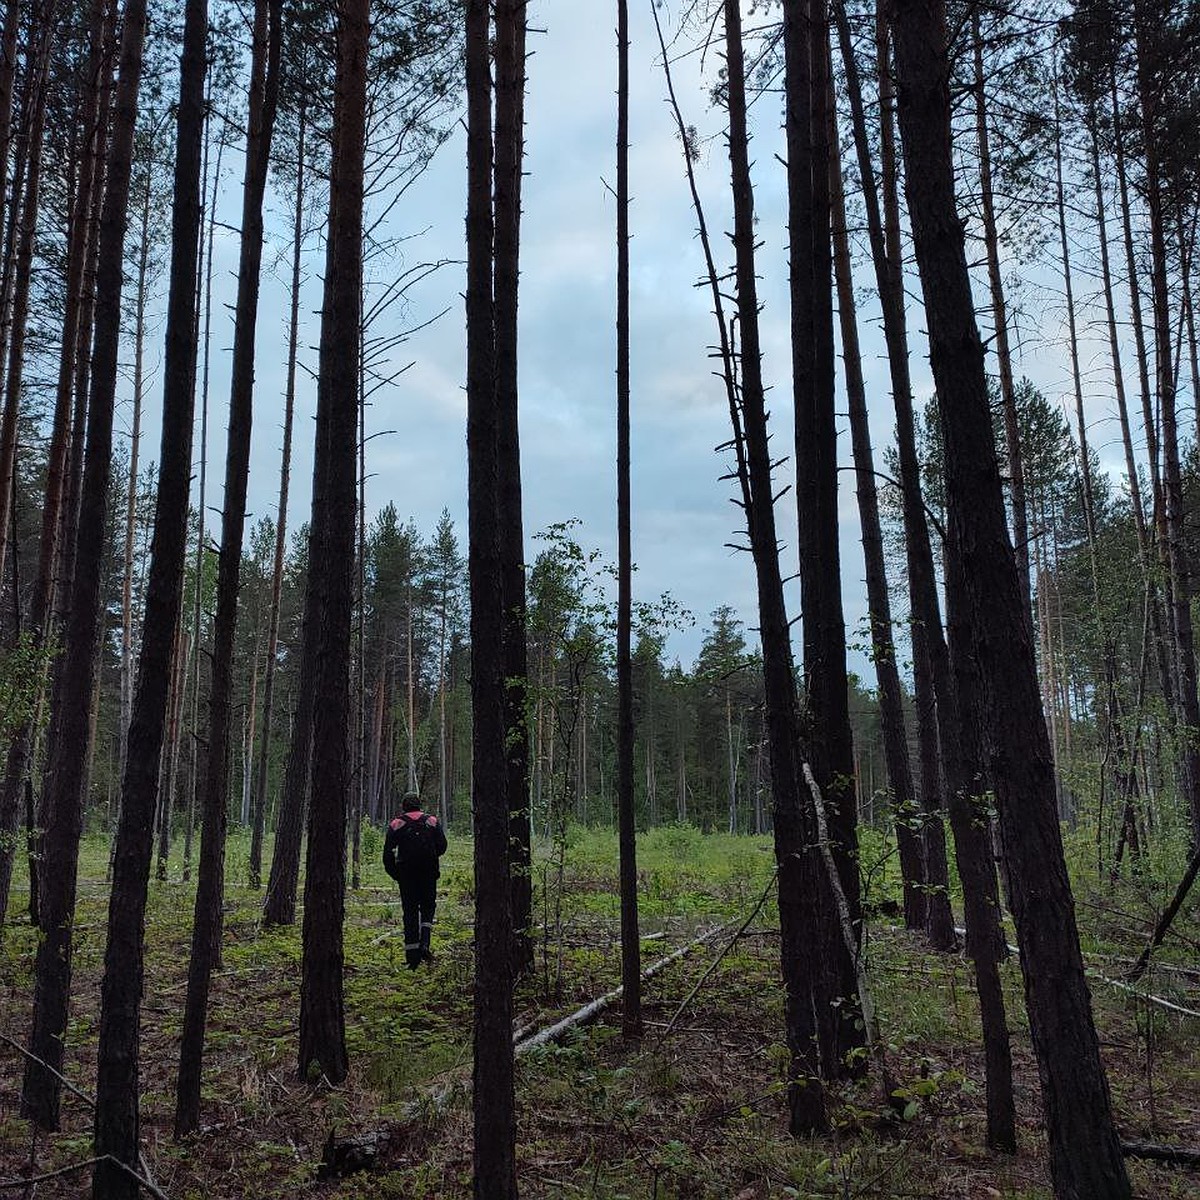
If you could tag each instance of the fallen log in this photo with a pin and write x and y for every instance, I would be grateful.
(590, 1011)
(345, 1155)
(1175, 1156)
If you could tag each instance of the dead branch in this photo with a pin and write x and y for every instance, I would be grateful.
(148, 1180)
(589, 1012)
(716, 962)
(1176, 1156)
(70, 1169)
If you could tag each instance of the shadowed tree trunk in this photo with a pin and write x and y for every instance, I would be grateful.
(24, 228)
(330, 600)
(117, 1130)
(631, 998)
(206, 930)
(16, 777)
(1085, 1154)
(509, 153)
(285, 472)
(1188, 718)
(70, 731)
(883, 649)
(991, 238)
(807, 64)
(931, 672)
(493, 1095)
(808, 1013)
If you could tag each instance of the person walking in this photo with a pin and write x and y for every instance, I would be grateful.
(414, 843)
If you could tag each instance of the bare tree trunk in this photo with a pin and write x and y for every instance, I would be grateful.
(1012, 435)
(494, 1101)
(135, 434)
(1085, 1153)
(816, 447)
(117, 1129)
(291, 806)
(509, 155)
(883, 649)
(70, 731)
(1188, 725)
(206, 930)
(931, 669)
(631, 971)
(93, 119)
(330, 601)
(24, 223)
(196, 780)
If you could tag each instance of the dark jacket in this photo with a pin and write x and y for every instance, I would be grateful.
(414, 843)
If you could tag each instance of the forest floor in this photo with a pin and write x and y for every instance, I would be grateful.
(697, 1113)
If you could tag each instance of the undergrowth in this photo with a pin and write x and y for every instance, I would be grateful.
(701, 1113)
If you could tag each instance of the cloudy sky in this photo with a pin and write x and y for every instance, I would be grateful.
(683, 515)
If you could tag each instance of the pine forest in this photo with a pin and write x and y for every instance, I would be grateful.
(598, 600)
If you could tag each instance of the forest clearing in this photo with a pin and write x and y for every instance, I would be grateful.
(699, 1113)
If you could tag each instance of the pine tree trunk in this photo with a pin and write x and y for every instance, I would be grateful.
(24, 228)
(135, 435)
(70, 730)
(16, 776)
(826, 693)
(494, 1101)
(291, 806)
(1188, 721)
(1012, 434)
(196, 781)
(509, 154)
(206, 930)
(117, 1131)
(330, 600)
(931, 669)
(631, 981)
(883, 649)
(1085, 1153)
(808, 1015)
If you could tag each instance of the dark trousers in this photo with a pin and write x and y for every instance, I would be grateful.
(418, 897)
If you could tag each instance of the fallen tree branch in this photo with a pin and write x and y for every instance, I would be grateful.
(1167, 1004)
(590, 1011)
(1170, 1005)
(524, 1037)
(1169, 914)
(865, 1000)
(716, 962)
(148, 1180)
(70, 1169)
(1176, 1156)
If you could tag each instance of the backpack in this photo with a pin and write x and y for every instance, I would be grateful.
(412, 838)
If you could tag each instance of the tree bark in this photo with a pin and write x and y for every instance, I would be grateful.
(883, 649)
(70, 730)
(1085, 1155)
(1012, 433)
(206, 930)
(494, 1101)
(1188, 723)
(631, 1003)
(931, 670)
(93, 119)
(24, 226)
(117, 1127)
(509, 153)
(331, 574)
